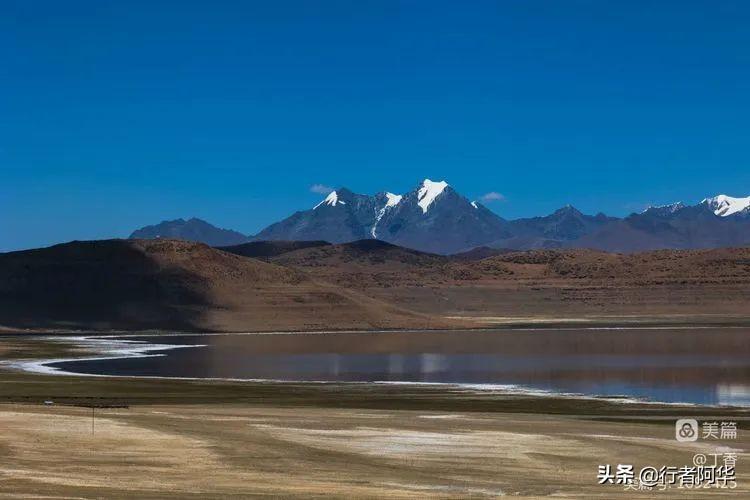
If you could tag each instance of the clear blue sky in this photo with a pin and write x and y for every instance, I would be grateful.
(114, 115)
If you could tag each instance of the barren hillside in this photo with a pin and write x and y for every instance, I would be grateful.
(168, 284)
(550, 283)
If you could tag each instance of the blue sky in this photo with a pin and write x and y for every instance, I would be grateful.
(114, 115)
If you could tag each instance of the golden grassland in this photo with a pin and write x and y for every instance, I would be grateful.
(227, 450)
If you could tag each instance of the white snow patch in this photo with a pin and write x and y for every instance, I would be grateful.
(474, 204)
(724, 205)
(670, 208)
(391, 201)
(428, 192)
(331, 200)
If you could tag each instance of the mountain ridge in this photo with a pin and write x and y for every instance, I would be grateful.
(192, 229)
(434, 217)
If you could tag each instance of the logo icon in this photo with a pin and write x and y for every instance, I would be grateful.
(686, 430)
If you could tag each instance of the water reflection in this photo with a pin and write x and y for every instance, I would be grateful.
(733, 394)
(703, 366)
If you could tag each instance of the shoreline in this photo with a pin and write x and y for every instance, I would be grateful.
(120, 348)
(471, 323)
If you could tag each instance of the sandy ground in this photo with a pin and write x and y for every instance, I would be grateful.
(210, 451)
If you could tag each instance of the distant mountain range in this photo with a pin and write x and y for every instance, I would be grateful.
(190, 230)
(433, 217)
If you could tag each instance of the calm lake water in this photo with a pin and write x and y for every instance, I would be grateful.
(703, 366)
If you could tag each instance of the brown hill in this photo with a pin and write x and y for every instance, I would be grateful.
(699, 267)
(169, 284)
(366, 262)
(549, 283)
(371, 261)
(479, 253)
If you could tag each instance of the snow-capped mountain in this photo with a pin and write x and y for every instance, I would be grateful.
(342, 216)
(664, 209)
(428, 191)
(709, 224)
(431, 217)
(434, 217)
(391, 200)
(331, 200)
(724, 206)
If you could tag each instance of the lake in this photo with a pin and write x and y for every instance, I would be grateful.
(709, 366)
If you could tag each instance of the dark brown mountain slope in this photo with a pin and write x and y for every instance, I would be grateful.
(169, 284)
(361, 263)
(267, 249)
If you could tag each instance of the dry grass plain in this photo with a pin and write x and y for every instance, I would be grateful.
(212, 451)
